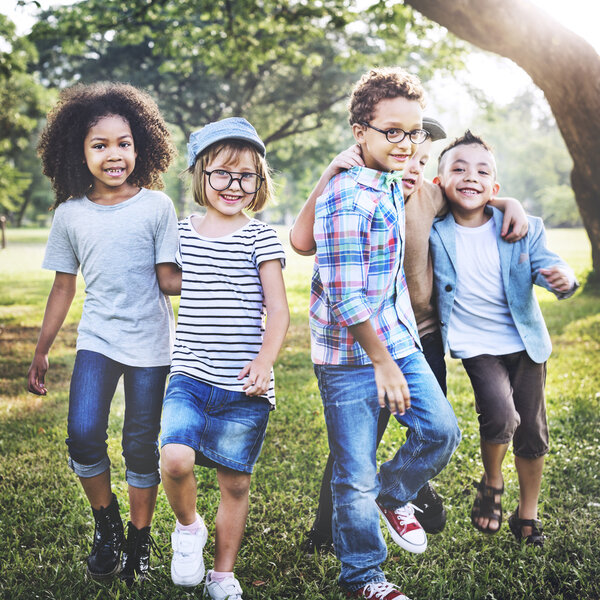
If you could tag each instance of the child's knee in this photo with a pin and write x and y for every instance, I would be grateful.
(177, 460)
(235, 484)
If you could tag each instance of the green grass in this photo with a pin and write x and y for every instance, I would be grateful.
(46, 525)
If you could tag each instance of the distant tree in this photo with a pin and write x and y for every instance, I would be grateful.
(22, 103)
(286, 66)
(562, 64)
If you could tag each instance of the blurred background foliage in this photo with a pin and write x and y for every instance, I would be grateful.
(286, 67)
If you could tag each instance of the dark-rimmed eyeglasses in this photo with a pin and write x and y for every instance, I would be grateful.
(220, 180)
(396, 135)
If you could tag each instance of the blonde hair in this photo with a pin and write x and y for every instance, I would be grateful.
(232, 149)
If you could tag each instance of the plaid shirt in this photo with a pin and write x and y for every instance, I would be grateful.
(358, 274)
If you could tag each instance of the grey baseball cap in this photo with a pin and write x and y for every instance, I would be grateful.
(434, 128)
(232, 128)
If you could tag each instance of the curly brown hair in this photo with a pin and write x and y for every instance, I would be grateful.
(380, 84)
(82, 106)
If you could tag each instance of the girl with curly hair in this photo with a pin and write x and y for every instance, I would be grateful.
(103, 146)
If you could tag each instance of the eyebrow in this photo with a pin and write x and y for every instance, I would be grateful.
(99, 138)
(479, 164)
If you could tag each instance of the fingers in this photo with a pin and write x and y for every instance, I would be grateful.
(35, 383)
(556, 278)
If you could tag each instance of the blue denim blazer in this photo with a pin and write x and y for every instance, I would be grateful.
(520, 263)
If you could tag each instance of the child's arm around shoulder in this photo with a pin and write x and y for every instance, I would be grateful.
(549, 270)
(301, 232)
(58, 304)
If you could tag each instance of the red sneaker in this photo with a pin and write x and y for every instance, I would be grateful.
(381, 590)
(404, 528)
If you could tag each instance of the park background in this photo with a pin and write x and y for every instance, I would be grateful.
(288, 67)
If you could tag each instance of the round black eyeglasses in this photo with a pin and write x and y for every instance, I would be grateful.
(219, 180)
(396, 135)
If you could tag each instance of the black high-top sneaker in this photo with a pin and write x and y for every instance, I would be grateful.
(104, 560)
(136, 554)
(431, 513)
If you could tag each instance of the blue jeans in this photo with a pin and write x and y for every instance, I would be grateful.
(93, 385)
(349, 397)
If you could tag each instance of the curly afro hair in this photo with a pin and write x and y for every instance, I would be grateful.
(79, 108)
(381, 84)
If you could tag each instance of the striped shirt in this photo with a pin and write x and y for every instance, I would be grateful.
(221, 313)
(358, 274)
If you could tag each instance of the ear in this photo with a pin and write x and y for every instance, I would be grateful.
(437, 180)
(495, 189)
(358, 131)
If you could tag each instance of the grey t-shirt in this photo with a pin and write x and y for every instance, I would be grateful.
(125, 315)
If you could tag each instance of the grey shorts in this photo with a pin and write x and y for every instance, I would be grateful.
(510, 402)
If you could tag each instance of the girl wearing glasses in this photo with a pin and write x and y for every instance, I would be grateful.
(221, 388)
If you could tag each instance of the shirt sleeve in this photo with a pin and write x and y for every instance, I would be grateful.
(342, 236)
(166, 239)
(60, 253)
(542, 258)
(268, 247)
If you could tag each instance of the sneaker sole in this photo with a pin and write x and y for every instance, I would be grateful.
(402, 542)
(197, 577)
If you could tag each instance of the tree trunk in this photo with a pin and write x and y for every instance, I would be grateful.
(562, 64)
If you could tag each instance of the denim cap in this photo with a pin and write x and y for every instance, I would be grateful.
(233, 128)
(434, 129)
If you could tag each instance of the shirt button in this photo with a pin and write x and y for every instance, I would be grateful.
(448, 288)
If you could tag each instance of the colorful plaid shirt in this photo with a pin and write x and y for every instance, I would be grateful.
(358, 274)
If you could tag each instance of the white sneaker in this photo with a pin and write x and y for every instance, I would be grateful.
(187, 565)
(228, 589)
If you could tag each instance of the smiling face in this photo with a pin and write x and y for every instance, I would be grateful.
(467, 174)
(109, 153)
(412, 180)
(232, 201)
(390, 113)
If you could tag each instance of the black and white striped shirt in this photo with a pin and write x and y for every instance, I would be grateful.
(221, 313)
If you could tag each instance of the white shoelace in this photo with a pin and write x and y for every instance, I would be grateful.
(406, 513)
(381, 589)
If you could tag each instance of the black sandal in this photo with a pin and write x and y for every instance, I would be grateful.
(486, 507)
(535, 538)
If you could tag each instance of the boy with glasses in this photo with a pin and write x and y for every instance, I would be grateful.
(365, 343)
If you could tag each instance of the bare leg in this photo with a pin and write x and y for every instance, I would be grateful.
(231, 516)
(97, 489)
(492, 456)
(179, 481)
(141, 505)
(529, 471)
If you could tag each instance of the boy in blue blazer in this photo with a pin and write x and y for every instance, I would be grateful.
(490, 318)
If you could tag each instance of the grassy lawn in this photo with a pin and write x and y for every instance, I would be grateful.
(46, 524)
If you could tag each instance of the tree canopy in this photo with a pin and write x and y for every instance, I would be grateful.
(22, 103)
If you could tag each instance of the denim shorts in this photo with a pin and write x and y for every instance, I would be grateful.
(224, 427)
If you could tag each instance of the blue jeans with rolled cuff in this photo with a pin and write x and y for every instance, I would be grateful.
(93, 386)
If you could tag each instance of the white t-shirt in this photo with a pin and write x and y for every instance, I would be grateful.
(221, 314)
(480, 321)
(125, 315)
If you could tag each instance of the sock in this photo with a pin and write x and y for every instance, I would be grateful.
(220, 575)
(192, 528)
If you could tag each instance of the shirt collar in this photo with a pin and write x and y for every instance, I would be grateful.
(377, 180)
